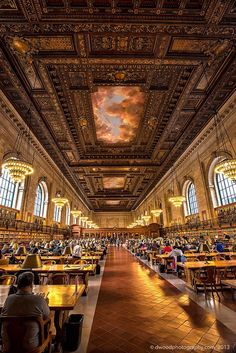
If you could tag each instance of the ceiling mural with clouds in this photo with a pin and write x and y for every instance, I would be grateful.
(117, 113)
(117, 90)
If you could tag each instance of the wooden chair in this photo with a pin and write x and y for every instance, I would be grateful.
(49, 262)
(4, 262)
(15, 328)
(207, 277)
(59, 278)
(8, 280)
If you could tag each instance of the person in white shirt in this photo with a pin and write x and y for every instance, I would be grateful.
(77, 251)
(176, 253)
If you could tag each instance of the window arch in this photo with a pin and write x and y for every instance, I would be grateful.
(10, 193)
(68, 215)
(222, 189)
(41, 200)
(191, 204)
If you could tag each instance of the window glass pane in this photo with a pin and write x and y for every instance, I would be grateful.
(226, 189)
(192, 199)
(7, 190)
(38, 205)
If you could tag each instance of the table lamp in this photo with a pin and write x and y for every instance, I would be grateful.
(32, 261)
(21, 251)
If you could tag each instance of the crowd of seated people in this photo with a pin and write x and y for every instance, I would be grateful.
(178, 245)
(10, 251)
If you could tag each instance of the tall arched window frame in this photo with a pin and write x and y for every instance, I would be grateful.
(192, 200)
(225, 189)
(68, 215)
(10, 193)
(57, 214)
(41, 200)
(222, 189)
(191, 204)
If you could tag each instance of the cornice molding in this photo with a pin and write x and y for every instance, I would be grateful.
(225, 112)
(18, 123)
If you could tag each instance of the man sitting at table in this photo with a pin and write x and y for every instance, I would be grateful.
(219, 246)
(77, 251)
(25, 303)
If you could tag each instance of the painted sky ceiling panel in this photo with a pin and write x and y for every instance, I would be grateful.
(117, 113)
(113, 182)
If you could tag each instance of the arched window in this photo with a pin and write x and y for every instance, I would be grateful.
(10, 193)
(190, 205)
(41, 200)
(192, 200)
(57, 214)
(226, 189)
(68, 215)
(222, 189)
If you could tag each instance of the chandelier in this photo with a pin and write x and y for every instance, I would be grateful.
(84, 218)
(76, 213)
(228, 165)
(17, 167)
(139, 222)
(177, 200)
(157, 212)
(59, 201)
(146, 218)
(228, 168)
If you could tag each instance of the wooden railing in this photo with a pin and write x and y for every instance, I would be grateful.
(18, 225)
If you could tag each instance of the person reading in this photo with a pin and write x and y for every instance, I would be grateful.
(25, 303)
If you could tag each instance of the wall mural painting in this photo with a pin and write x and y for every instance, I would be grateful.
(117, 113)
(113, 182)
(112, 202)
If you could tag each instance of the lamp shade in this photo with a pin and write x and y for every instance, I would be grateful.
(67, 250)
(21, 251)
(32, 261)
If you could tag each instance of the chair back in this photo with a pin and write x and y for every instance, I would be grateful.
(49, 262)
(15, 329)
(210, 272)
(80, 262)
(8, 280)
(59, 278)
(4, 262)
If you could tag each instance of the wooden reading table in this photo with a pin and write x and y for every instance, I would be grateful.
(192, 266)
(62, 299)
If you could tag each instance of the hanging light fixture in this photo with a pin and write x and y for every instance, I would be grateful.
(17, 167)
(59, 201)
(176, 200)
(156, 211)
(227, 166)
(76, 213)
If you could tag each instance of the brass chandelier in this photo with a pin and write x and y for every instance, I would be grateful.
(227, 166)
(17, 167)
(76, 213)
(59, 200)
(176, 200)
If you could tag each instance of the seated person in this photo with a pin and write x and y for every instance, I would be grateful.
(25, 303)
(5, 249)
(77, 251)
(219, 247)
(2, 257)
(167, 248)
(176, 252)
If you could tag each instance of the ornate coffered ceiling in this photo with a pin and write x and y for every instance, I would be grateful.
(119, 88)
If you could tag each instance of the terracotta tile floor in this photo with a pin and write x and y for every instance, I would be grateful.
(137, 310)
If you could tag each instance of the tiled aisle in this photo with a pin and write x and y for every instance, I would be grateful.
(138, 311)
